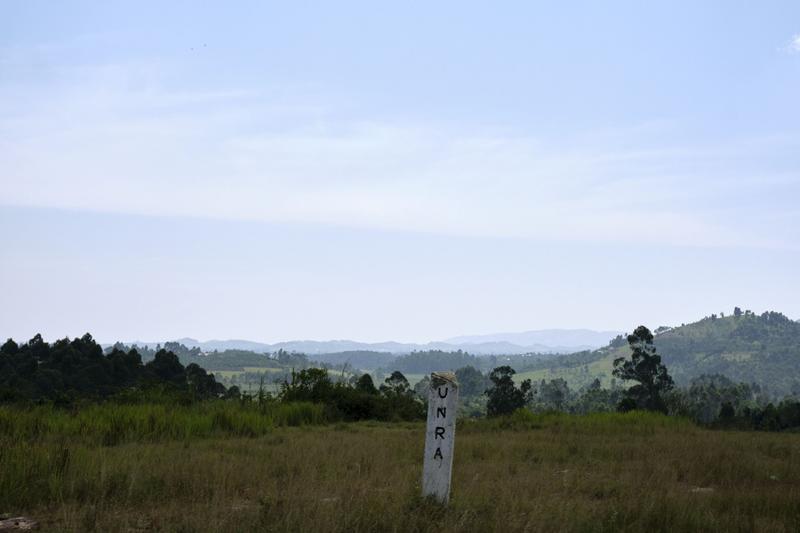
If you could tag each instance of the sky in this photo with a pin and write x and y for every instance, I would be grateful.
(416, 171)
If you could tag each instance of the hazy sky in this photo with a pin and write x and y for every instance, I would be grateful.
(407, 172)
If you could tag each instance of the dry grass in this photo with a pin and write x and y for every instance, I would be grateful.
(550, 473)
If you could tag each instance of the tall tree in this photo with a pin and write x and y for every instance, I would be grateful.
(365, 384)
(471, 381)
(396, 384)
(646, 369)
(504, 396)
(167, 367)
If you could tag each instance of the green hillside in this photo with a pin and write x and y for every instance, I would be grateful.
(762, 349)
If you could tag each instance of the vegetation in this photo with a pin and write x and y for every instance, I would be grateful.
(433, 361)
(115, 424)
(759, 350)
(746, 347)
(504, 396)
(224, 360)
(355, 401)
(529, 472)
(78, 369)
(69, 372)
(644, 368)
(363, 359)
(107, 442)
(762, 349)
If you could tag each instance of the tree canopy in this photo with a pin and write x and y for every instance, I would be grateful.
(70, 369)
(504, 396)
(644, 368)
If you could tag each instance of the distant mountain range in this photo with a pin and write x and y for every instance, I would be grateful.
(554, 341)
(575, 339)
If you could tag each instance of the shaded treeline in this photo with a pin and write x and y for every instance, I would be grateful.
(224, 360)
(69, 370)
(713, 401)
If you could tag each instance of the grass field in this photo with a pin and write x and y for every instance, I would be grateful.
(253, 369)
(633, 472)
(576, 377)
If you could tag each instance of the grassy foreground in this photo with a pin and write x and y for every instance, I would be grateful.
(633, 472)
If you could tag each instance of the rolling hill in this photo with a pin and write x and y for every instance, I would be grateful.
(762, 349)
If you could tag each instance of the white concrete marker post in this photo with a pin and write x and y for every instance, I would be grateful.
(440, 436)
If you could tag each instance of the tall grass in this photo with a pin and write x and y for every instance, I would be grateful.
(41, 446)
(112, 424)
(548, 472)
(592, 423)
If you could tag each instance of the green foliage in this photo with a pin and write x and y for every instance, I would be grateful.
(360, 402)
(69, 370)
(752, 348)
(783, 416)
(434, 361)
(366, 385)
(645, 368)
(745, 347)
(553, 395)
(423, 387)
(504, 396)
(216, 360)
(364, 359)
(232, 360)
(704, 399)
(203, 385)
(167, 368)
(471, 382)
(396, 385)
(291, 359)
(596, 399)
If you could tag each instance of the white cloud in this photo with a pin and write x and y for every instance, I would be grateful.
(794, 45)
(113, 145)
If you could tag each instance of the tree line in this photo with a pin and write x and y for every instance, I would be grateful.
(68, 371)
(712, 400)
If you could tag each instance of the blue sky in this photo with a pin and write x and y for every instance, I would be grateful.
(408, 172)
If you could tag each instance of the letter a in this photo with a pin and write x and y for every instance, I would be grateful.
(438, 454)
